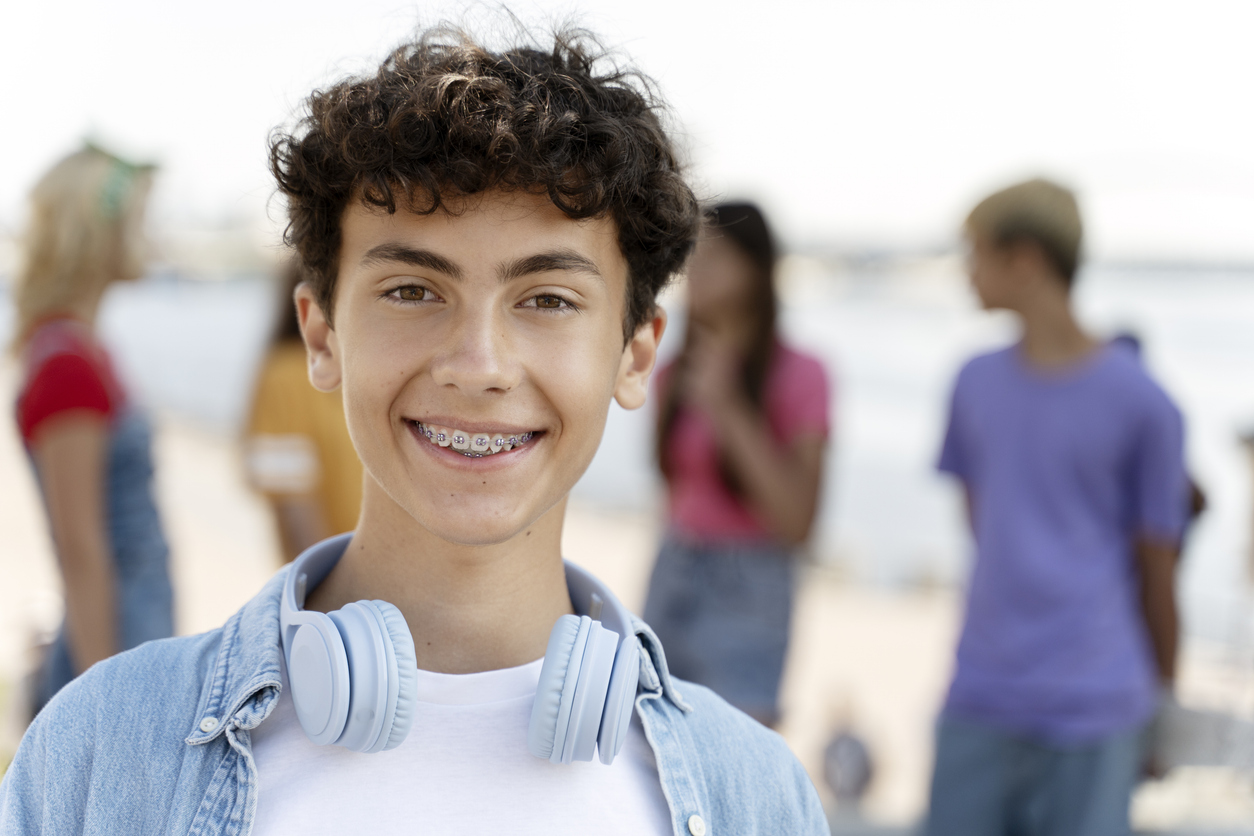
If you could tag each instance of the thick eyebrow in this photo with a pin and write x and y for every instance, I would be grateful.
(413, 257)
(547, 262)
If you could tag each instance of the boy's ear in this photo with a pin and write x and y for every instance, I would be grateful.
(321, 345)
(639, 357)
(1027, 258)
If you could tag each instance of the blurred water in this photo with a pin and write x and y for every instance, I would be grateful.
(893, 342)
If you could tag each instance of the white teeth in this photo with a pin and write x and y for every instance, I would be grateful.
(476, 445)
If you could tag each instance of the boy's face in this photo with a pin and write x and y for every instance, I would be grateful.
(991, 271)
(501, 318)
(1009, 277)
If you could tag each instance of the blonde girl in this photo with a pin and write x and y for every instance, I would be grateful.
(88, 444)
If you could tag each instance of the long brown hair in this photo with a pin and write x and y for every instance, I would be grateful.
(745, 226)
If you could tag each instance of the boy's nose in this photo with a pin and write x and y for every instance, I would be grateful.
(478, 356)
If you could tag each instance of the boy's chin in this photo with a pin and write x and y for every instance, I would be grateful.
(482, 528)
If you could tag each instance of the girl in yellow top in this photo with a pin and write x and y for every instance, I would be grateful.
(297, 449)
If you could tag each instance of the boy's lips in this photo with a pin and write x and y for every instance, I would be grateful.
(477, 442)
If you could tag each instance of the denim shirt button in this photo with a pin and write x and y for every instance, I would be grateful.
(208, 724)
(696, 825)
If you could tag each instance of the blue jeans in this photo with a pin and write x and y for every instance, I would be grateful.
(990, 782)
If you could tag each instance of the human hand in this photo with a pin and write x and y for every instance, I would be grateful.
(711, 381)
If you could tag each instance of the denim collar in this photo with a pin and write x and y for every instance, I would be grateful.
(655, 677)
(247, 674)
(246, 679)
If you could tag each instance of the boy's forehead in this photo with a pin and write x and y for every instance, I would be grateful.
(490, 221)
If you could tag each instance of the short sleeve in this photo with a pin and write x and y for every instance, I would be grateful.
(1160, 481)
(953, 455)
(281, 452)
(799, 402)
(64, 382)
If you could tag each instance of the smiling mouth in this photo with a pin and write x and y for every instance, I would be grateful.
(472, 445)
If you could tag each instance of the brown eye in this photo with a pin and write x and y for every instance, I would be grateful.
(410, 293)
(549, 302)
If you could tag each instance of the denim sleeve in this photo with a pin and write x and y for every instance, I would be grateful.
(28, 787)
(1160, 484)
(104, 755)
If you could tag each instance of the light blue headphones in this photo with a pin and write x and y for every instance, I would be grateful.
(354, 676)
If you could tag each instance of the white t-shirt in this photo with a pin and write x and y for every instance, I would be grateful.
(464, 765)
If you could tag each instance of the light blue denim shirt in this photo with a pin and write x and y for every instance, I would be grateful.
(157, 740)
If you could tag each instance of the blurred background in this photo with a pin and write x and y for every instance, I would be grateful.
(866, 130)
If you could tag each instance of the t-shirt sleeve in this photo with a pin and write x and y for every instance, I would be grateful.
(802, 400)
(281, 451)
(1160, 481)
(65, 382)
(953, 455)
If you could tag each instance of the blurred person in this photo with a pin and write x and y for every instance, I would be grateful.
(742, 427)
(87, 440)
(483, 268)
(297, 449)
(1072, 459)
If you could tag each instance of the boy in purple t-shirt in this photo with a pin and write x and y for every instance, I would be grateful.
(1072, 461)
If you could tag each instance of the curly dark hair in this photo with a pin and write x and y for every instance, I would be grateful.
(446, 117)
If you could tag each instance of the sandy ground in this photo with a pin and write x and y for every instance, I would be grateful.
(873, 659)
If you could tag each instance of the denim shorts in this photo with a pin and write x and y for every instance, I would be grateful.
(722, 612)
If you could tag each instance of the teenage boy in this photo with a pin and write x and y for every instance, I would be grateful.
(485, 235)
(1073, 464)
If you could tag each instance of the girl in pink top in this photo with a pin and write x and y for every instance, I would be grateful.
(742, 428)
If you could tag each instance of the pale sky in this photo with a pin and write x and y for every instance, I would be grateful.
(875, 122)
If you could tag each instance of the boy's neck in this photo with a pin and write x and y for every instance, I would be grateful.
(469, 608)
(1052, 338)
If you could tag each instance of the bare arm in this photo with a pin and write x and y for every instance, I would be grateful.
(780, 483)
(70, 451)
(286, 467)
(1157, 562)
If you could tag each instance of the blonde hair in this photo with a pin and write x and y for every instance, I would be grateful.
(84, 232)
(1039, 211)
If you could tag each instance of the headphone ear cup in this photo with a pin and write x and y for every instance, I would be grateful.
(366, 644)
(550, 713)
(621, 700)
(317, 673)
(590, 693)
(402, 707)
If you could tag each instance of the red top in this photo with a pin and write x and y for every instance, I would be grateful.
(796, 403)
(66, 368)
